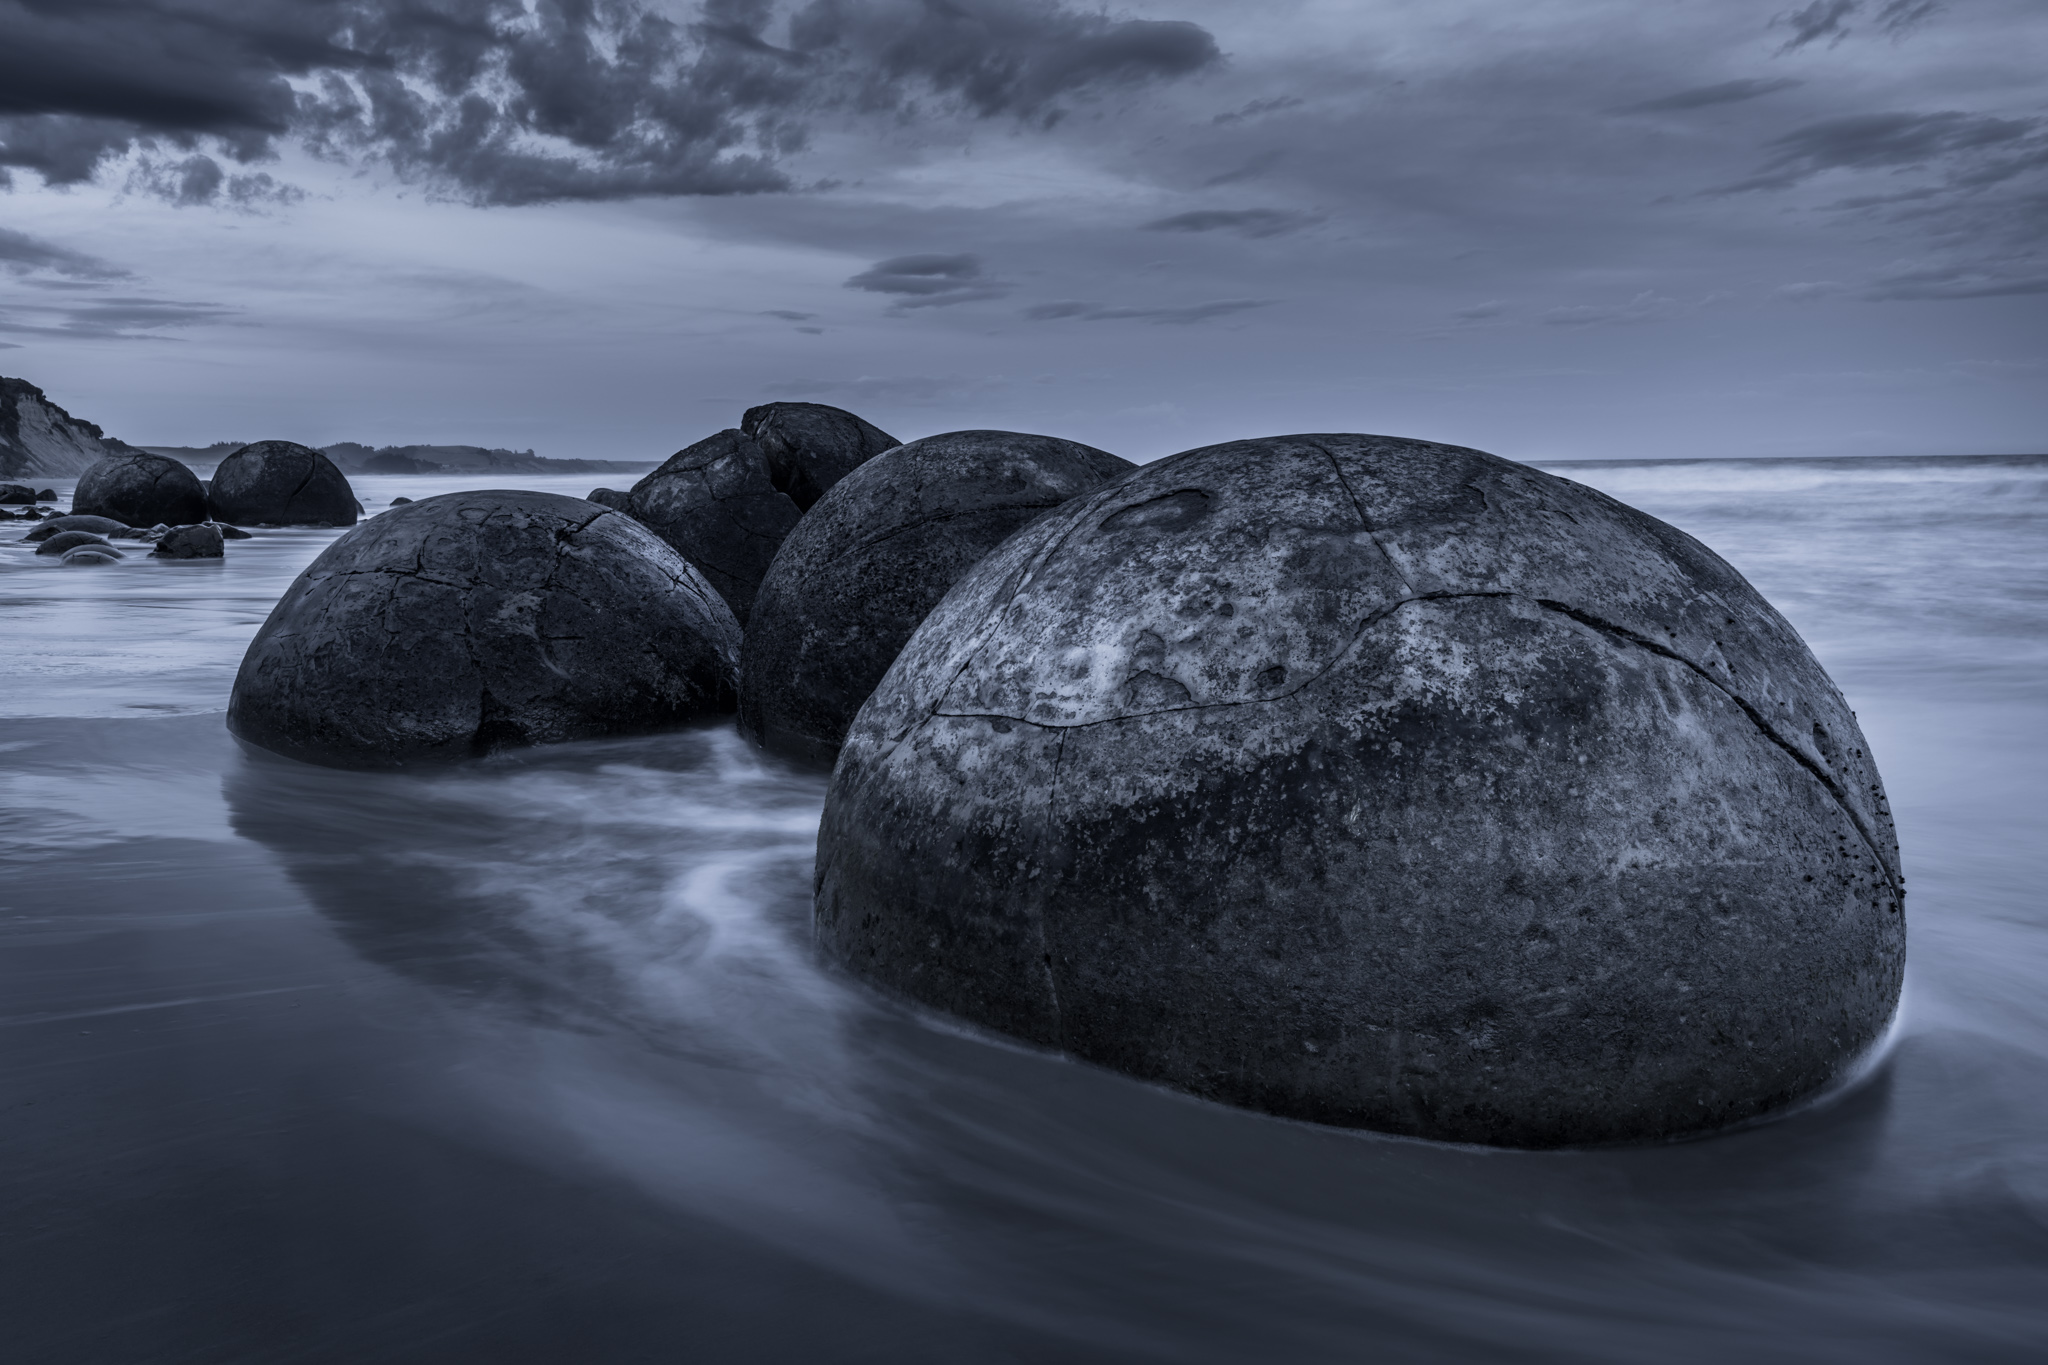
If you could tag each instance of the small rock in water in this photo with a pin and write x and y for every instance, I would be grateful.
(137, 489)
(99, 526)
(69, 540)
(92, 554)
(475, 621)
(1377, 783)
(230, 532)
(400, 502)
(282, 483)
(46, 495)
(16, 494)
(190, 542)
(612, 498)
(876, 554)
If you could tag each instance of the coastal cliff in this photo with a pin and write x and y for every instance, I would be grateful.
(38, 439)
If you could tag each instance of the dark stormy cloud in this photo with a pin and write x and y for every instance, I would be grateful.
(525, 101)
(605, 227)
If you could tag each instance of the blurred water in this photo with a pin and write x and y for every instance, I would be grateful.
(531, 1061)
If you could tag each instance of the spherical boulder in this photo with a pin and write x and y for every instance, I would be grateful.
(46, 495)
(471, 621)
(137, 488)
(876, 554)
(810, 447)
(1377, 783)
(191, 542)
(281, 483)
(65, 541)
(99, 526)
(714, 504)
(612, 498)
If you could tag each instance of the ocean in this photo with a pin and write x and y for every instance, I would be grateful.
(531, 1061)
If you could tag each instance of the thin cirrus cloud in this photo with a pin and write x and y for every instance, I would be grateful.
(1706, 96)
(1980, 147)
(930, 280)
(1830, 19)
(1184, 315)
(501, 102)
(1241, 222)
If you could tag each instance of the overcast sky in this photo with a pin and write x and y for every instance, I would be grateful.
(1547, 228)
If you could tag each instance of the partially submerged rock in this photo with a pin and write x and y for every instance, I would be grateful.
(1376, 783)
(69, 540)
(281, 483)
(140, 489)
(612, 498)
(190, 542)
(865, 565)
(16, 494)
(471, 621)
(99, 526)
(86, 555)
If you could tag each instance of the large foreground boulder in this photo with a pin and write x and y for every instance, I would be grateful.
(810, 447)
(874, 556)
(281, 483)
(1376, 783)
(470, 621)
(137, 488)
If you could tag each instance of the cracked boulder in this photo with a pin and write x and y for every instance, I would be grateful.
(136, 488)
(468, 622)
(1376, 783)
(282, 483)
(810, 447)
(716, 506)
(866, 564)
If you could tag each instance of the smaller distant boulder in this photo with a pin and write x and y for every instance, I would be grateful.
(612, 498)
(99, 526)
(715, 506)
(230, 532)
(46, 495)
(137, 488)
(191, 542)
(870, 561)
(282, 483)
(810, 446)
(16, 494)
(91, 554)
(400, 502)
(69, 540)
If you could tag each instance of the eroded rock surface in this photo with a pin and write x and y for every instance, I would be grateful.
(470, 621)
(140, 489)
(810, 446)
(866, 564)
(282, 483)
(1377, 783)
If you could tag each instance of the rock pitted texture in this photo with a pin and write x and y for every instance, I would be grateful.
(1376, 783)
(281, 483)
(191, 542)
(810, 447)
(38, 438)
(140, 489)
(471, 621)
(875, 555)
